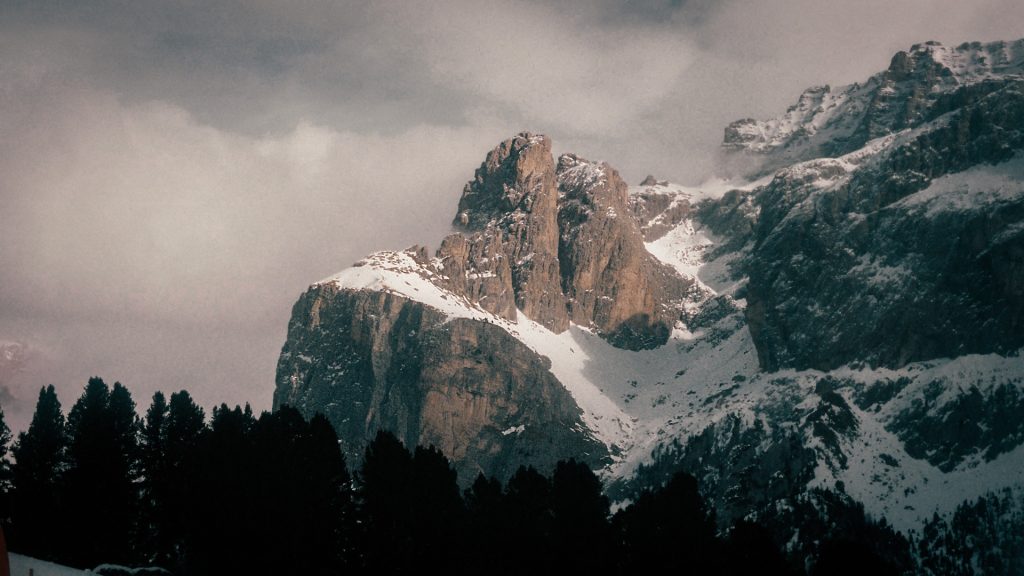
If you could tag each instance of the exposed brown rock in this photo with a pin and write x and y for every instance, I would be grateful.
(513, 195)
(477, 268)
(569, 240)
(375, 360)
(658, 212)
(612, 283)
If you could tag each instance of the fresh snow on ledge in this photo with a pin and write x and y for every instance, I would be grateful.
(977, 188)
(629, 399)
(636, 401)
(398, 273)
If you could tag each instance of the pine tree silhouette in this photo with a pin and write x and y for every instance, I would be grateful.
(170, 476)
(153, 544)
(751, 550)
(385, 497)
(669, 528)
(436, 510)
(40, 461)
(485, 530)
(5, 471)
(328, 490)
(99, 485)
(528, 520)
(580, 529)
(223, 516)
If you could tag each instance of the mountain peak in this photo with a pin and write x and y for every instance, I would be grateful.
(517, 175)
(919, 84)
(838, 323)
(968, 62)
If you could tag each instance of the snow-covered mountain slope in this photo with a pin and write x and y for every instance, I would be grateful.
(636, 401)
(627, 397)
(842, 268)
(571, 353)
(880, 457)
(852, 320)
(827, 121)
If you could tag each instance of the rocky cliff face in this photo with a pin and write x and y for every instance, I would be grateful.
(550, 244)
(372, 360)
(885, 255)
(919, 85)
(657, 209)
(559, 244)
(877, 273)
(850, 318)
(610, 280)
(512, 203)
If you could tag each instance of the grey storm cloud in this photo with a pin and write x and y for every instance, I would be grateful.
(174, 174)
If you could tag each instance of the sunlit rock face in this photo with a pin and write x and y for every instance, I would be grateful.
(371, 360)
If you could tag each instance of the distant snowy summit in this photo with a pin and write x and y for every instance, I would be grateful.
(849, 317)
(918, 86)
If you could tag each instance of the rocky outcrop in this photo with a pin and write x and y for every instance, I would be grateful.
(512, 201)
(372, 350)
(920, 85)
(860, 313)
(560, 245)
(976, 425)
(658, 210)
(864, 258)
(373, 360)
(478, 268)
(610, 280)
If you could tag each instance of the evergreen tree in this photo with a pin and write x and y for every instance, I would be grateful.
(581, 534)
(153, 545)
(5, 470)
(177, 476)
(304, 487)
(385, 488)
(332, 517)
(99, 484)
(669, 528)
(750, 549)
(528, 519)
(126, 425)
(484, 525)
(436, 510)
(39, 455)
(409, 502)
(851, 557)
(127, 432)
(222, 517)
(282, 491)
(154, 430)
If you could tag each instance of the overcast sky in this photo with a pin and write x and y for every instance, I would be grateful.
(174, 174)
